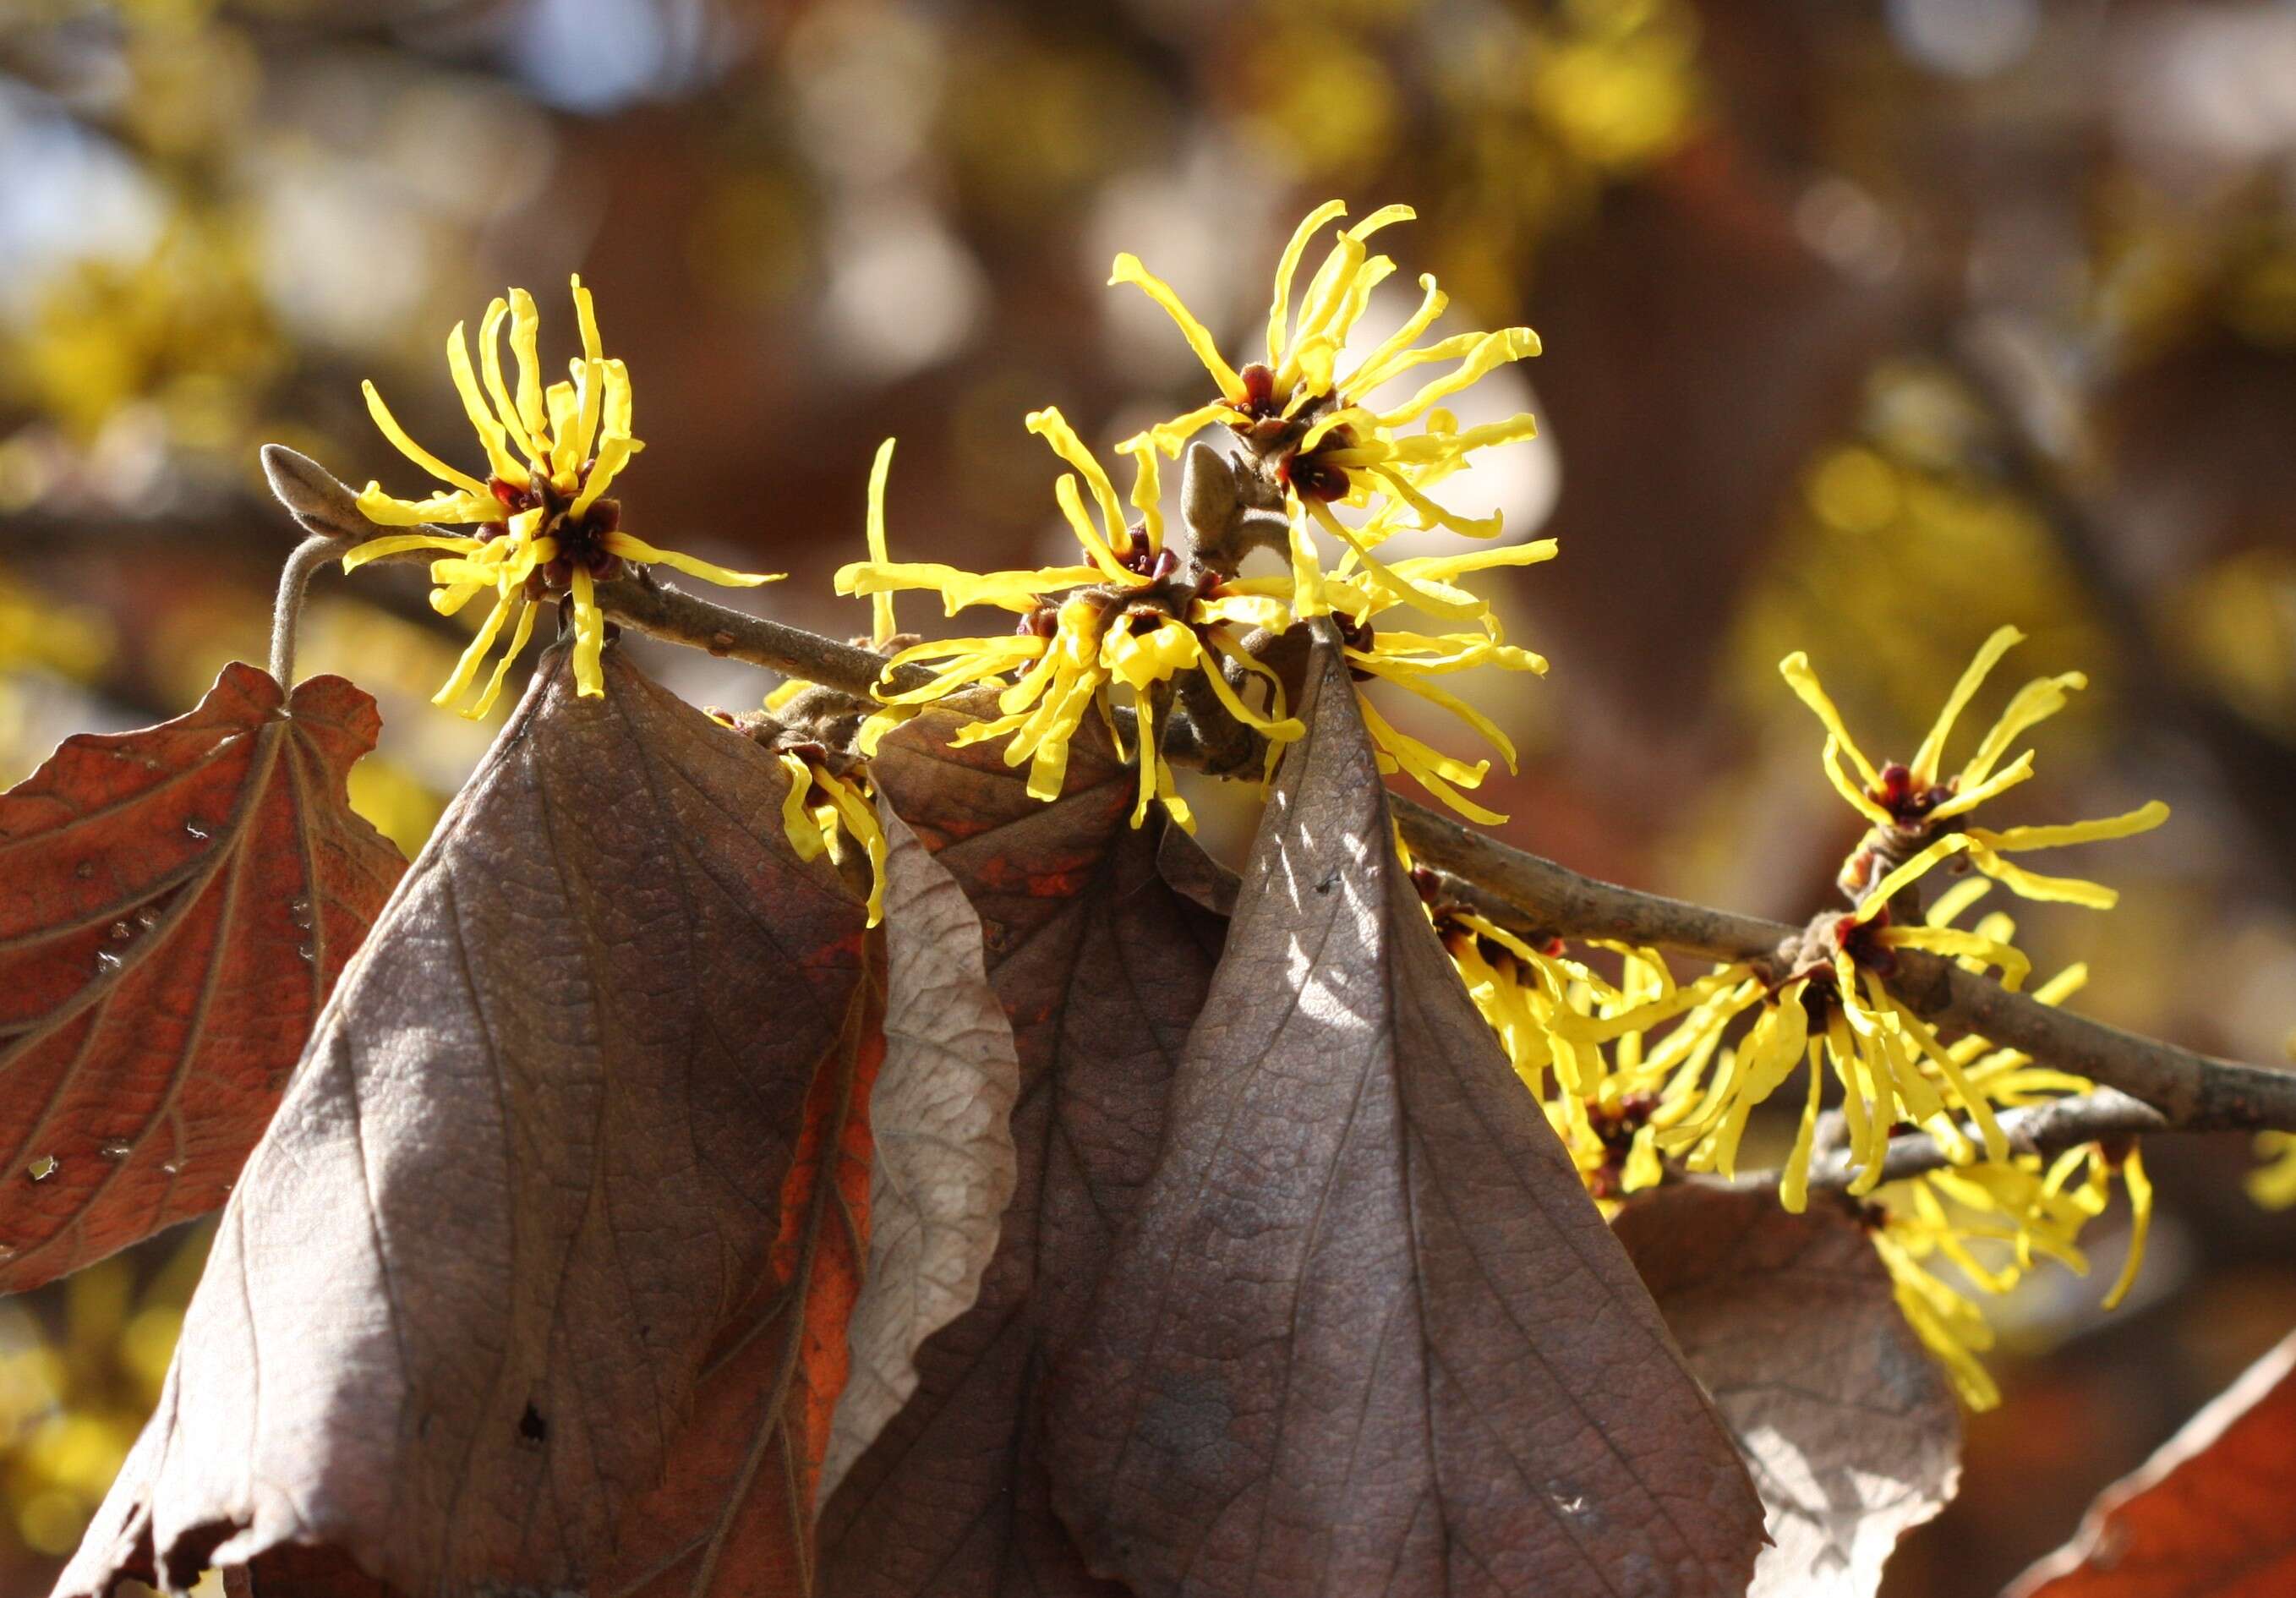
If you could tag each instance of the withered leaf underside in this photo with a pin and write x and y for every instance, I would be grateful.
(1363, 1332)
(1102, 966)
(1848, 1427)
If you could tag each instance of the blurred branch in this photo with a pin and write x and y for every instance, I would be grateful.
(2043, 1129)
(1521, 890)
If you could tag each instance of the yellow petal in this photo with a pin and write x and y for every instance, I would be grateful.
(2035, 702)
(589, 637)
(613, 455)
(1803, 681)
(525, 342)
(1924, 766)
(1147, 487)
(636, 549)
(615, 424)
(2000, 782)
(405, 444)
(489, 428)
(475, 655)
(1129, 270)
(2033, 885)
(1053, 427)
(490, 364)
(797, 825)
(883, 624)
(1279, 310)
(1859, 800)
(519, 635)
(587, 315)
(861, 821)
(2140, 1223)
(375, 549)
(2011, 840)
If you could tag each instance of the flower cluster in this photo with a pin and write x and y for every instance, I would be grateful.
(1642, 1076)
(1132, 614)
(1159, 622)
(1316, 432)
(543, 525)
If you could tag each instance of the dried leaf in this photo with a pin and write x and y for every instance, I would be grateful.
(178, 902)
(1852, 1435)
(735, 1517)
(2208, 1516)
(532, 1166)
(1102, 966)
(942, 1120)
(1365, 1333)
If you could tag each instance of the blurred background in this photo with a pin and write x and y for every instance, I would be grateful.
(1870, 325)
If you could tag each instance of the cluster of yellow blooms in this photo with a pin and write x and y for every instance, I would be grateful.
(1139, 614)
(1639, 1070)
(1132, 613)
(1637, 1073)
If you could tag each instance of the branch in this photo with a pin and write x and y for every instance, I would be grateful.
(2043, 1129)
(327, 509)
(1522, 891)
(2192, 1090)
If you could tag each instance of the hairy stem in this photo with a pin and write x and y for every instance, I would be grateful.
(287, 611)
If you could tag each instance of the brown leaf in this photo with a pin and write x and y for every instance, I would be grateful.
(533, 1166)
(1852, 1435)
(1102, 966)
(178, 902)
(2208, 1516)
(941, 1125)
(1365, 1333)
(736, 1515)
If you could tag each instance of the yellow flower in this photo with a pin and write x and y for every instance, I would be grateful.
(1989, 1222)
(1740, 1033)
(1598, 1108)
(1129, 614)
(1908, 803)
(849, 796)
(543, 524)
(1362, 588)
(1314, 428)
(848, 802)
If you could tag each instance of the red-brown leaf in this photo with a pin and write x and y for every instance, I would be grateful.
(2212, 1515)
(1851, 1431)
(530, 1174)
(736, 1515)
(1365, 1333)
(1102, 966)
(178, 902)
